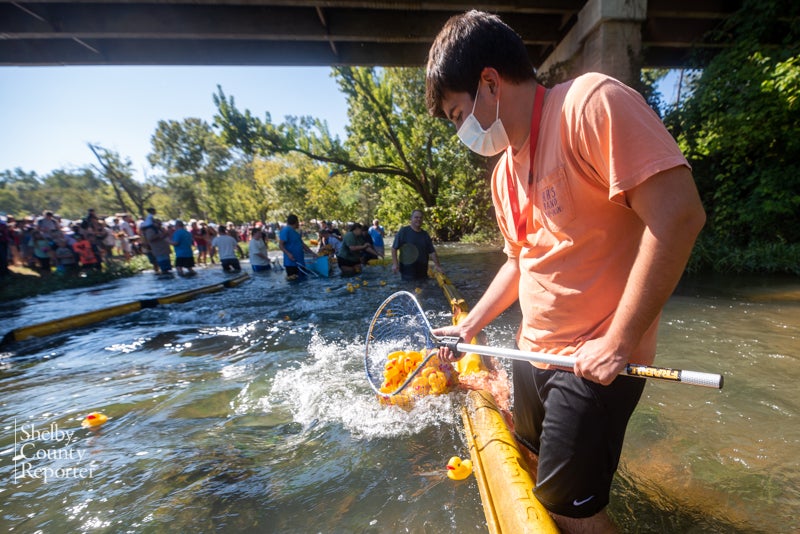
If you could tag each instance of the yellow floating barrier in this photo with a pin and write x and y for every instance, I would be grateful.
(504, 483)
(85, 319)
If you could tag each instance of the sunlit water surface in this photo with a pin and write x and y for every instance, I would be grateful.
(248, 410)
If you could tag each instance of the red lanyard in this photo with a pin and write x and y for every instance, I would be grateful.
(521, 219)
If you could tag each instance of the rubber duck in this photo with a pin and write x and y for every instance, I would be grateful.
(438, 382)
(350, 287)
(392, 370)
(94, 420)
(383, 283)
(420, 385)
(458, 469)
(410, 361)
(417, 290)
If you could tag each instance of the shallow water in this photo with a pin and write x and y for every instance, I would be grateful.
(247, 410)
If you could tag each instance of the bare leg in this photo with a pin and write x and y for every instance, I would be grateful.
(599, 523)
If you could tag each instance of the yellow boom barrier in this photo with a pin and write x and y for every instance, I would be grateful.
(85, 319)
(504, 483)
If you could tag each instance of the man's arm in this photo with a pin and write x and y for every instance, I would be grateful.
(436, 261)
(282, 246)
(670, 207)
(501, 293)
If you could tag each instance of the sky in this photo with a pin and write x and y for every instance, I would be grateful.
(49, 114)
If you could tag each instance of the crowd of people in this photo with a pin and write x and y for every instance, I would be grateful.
(50, 244)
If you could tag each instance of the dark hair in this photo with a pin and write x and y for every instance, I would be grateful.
(467, 44)
(291, 220)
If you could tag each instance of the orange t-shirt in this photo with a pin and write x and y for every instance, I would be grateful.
(85, 252)
(598, 139)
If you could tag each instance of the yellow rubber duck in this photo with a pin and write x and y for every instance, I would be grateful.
(458, 469)
(438, 382)
(94, 420)
(420, 385)
(392, 370)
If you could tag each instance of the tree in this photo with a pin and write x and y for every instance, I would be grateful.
(131, 196)
(741, 129)
(391, 140)
(196, 162)
(19, 192)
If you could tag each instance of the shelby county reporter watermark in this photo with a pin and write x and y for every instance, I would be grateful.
(48, 453)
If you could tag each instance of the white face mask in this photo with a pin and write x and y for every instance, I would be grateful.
(484, 142)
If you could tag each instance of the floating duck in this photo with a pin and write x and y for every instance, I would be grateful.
(94, 420)
(383, 283)
(350, 287)
(459, 469)
(438, 382)
(417, 290)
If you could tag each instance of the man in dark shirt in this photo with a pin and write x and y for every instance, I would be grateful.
(411, 248)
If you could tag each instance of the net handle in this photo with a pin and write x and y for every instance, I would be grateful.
(694, 378)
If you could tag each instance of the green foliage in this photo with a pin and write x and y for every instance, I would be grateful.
(196, 163)
(396, 157)
(741, 131)
(68, 193)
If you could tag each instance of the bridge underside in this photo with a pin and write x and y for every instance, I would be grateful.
(347, 32)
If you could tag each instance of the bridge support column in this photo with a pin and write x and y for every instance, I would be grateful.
(607, 38)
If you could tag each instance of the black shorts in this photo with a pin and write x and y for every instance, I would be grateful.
(187, 263)
(576, 427)
(230, 264)
(347, 263)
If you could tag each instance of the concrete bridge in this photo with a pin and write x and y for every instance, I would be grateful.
(564, 37)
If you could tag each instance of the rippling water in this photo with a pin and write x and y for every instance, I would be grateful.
(248, 410)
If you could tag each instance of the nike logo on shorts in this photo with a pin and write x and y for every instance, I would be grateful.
(576, 502)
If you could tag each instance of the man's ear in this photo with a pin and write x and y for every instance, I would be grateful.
(491, 78)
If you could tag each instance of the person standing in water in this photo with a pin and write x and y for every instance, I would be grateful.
(411, 250)
(599, 212)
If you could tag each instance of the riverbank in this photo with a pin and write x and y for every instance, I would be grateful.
(24, 282)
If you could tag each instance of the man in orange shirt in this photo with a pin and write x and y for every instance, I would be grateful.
(599, 212)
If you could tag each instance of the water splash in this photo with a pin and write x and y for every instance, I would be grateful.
(331, 387)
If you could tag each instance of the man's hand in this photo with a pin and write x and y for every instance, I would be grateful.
(445, 354)
(600, 360)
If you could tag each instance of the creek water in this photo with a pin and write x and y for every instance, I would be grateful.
(247, 410)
